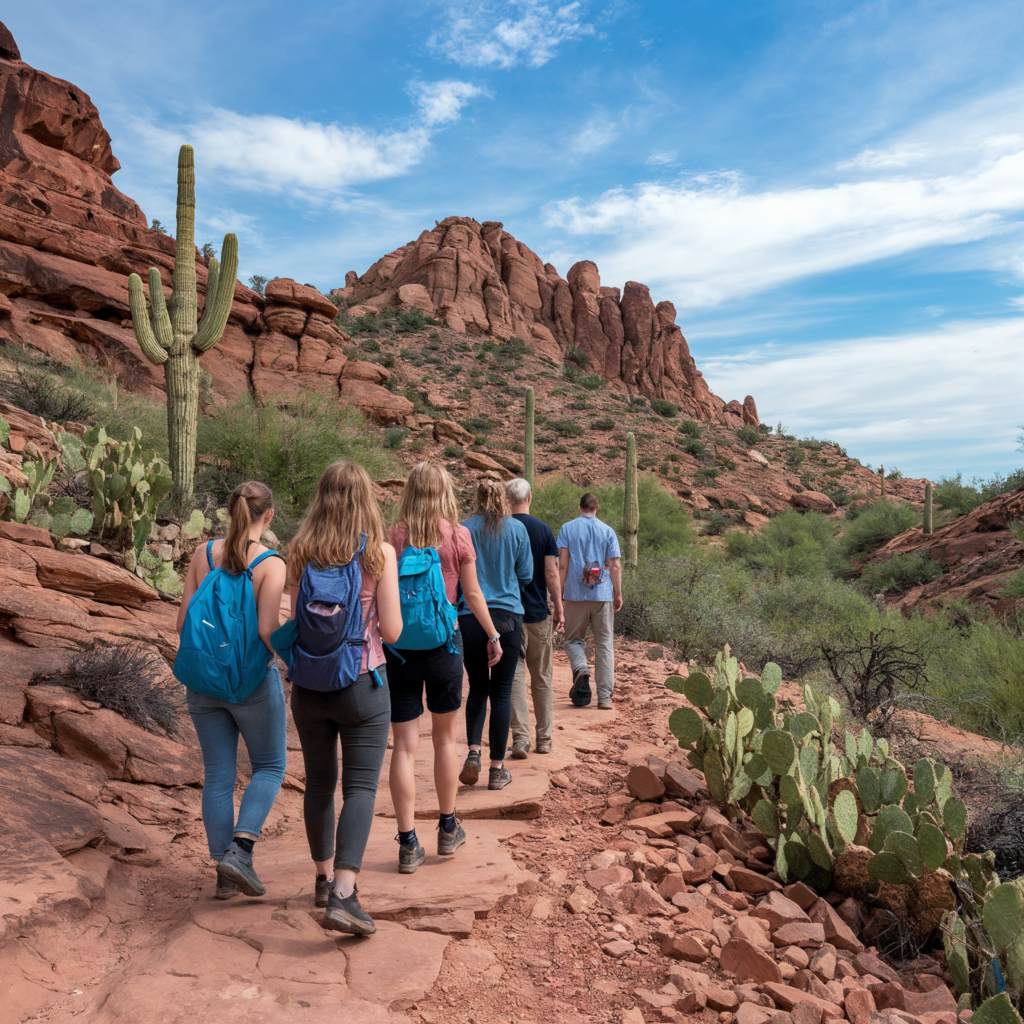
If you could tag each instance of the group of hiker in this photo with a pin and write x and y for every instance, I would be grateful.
(376, 621)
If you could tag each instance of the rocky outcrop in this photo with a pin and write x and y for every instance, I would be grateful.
(478, 279)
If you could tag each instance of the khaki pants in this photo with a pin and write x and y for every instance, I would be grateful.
(598, 615)
(537, 644)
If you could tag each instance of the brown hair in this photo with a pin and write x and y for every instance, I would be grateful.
(492, 504)
(343, 509)
(249, 502)
(589, 502)
(427, 498)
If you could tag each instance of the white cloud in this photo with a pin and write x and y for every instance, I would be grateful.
(442, 102)
(598, 132)
(658, 159)
(711, 238)
(882, 159)
(506, 33)
(931, 403)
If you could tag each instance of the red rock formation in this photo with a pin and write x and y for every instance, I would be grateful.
(478, 279)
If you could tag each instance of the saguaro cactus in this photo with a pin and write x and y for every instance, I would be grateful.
(927, 527)
(631, 506)
(528, 465)
(881, 481)
(170, 333)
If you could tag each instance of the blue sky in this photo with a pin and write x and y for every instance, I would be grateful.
(831, 193)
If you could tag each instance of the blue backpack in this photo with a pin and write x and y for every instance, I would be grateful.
(428, 617)
(221, 653)
(329, 630)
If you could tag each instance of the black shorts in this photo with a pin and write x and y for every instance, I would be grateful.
(439, 670)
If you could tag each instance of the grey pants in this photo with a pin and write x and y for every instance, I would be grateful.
(360, 716)
(598, 615)
(537, 644)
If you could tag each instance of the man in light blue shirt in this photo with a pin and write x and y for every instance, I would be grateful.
(589, 563)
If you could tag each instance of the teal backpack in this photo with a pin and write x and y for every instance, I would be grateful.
(428, 617)
(221, 653)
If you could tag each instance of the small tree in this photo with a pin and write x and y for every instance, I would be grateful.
(157, 226)
(208, 252)
(257, 283)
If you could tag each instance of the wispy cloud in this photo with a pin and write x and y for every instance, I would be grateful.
(598, 132)
(267, 153)
(507, 33)
(931, 402)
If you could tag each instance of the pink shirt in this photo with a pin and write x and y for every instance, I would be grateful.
(373, 650)
(455, 552)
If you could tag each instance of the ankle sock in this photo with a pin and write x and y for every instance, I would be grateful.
(343, 891)
(245, 844)
(408, 839)
(447, 822)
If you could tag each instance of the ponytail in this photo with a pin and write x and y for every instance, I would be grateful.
(249, 502)
(492, 504)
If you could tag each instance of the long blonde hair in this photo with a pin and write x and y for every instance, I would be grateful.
(427, 498)
(342, 510)
(492, 504)
(248, 503)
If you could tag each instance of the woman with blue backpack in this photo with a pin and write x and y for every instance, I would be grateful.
(505, 561)
(435, 556)
(230, 606)
(343, 580)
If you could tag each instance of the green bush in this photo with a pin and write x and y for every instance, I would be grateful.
(953, 495)
(565, 427)
(287, 448)
(394, 436)
(899, 573)
(877, 523)
(748, 435)
(795, 456)
(690, 428)
(577, 356)
(413, 320)
(697, 448)
(1015, 588)
(452, 451)
(478, 424)
(665, 408)
(792, 544)
(605, 423)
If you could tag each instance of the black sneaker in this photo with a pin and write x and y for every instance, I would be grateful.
(499, 778)
(345, 915)
(471, 769)
(449, 842)
(236, 866)
(226, 889)
(410, 857)
(324, 888)
(580, 692)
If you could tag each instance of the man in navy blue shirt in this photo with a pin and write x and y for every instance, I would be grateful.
(538, 628)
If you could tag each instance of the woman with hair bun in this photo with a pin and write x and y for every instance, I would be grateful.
(259, 717)
(504, 561)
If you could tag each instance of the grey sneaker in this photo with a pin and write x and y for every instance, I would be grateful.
(499, 778)
(410, 857)
(471, 769)
(236, 867)
(449, 842)
(324, 888)
(345, 915)
(226, 889)
(519, 751)
(543, 748)
(604, 704)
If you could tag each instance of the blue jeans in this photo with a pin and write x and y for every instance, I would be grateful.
(261, 720)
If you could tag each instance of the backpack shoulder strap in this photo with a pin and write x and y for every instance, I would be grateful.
(209, 553)
(266, 554)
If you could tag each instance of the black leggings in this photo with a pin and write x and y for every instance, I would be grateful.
(494, 683)
(359, 716)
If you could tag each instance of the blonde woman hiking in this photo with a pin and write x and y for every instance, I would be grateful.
(230, 606)
(343, 580)
(429, 523)
(504, 562)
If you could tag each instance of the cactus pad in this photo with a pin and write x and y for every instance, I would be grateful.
(771, 677)
(686, 725)
(891, 818)
(997, 1010)
(932, 845)
(954, 817)
(744, 722)
(741, 785)
(819, 852)
(714, 776)
(845, 811)
(1003, 915)
(924, 782)
(870, 788)
(779, 750)
(698, 690)
(756, 766)
(750, 693)
(676, 684)
(766, 818)
(887, 867)
(809, 764)
(904, 845)
(894, 785)
(789, 791)
(803, 725)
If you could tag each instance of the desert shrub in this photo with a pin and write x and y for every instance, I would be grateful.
(590, 381)
(764, 428)
(604, 423)
(452, 451)
(715, 524)
(953, 495)
(478, 424)
(42, 390)
(394, 436)
(795, 456)
(792, 544)
(748, 435)
(370, 345)
(690, 428)
(257, 282)
(285, 447)
(577, 356)
(409, 320)
(128, 678)
(899, 573)
(665, 408)
(697, 448)
(1015, 588)
(707, 473)
(873, 525)
(565, 427)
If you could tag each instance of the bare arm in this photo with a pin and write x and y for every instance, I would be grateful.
(389, 606)
(474, 597)
(563, 568)
(553, 578)
(615, 571)
(268, 602)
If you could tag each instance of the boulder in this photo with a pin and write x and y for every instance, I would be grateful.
(413, 296)
(813, 500)
(748, 962)
(836, 930)
(449, 430)
(287, 292)
(477, 460)
(377, 402)
(778, 910)
(23, 533)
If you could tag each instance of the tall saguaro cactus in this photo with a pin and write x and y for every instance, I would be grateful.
(631, 504)
(170, 333)
(927, 526)
(881, 481)
(528, 465)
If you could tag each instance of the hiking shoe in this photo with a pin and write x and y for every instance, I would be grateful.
(471, 769)
(604, 704)
(236, 867)
(226, 889)
(345, 915)
(324, 888)
(519, 751)
(410, 857)
(543, 748)
(579, 694)
(449, 842)
(498, 778)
